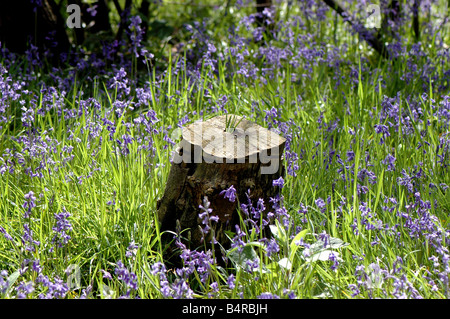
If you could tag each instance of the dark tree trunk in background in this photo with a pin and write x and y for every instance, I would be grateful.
(375, 42)
(261, 20)
(393, 16)
(143, 11)
(21, 25)
(416, 27)
(260, 6)
(99, 22)
(124, 15)
(395, 10)
(101, 19)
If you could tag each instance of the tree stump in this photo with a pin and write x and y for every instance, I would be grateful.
(209, 160)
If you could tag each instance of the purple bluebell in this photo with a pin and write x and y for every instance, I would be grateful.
(5, 233)
(350, 156)
(131, 250)
(24, 289)
(324, 237)
(29, 204)
(106, 274)
(4, 283)
(272, 247)
(127, 277)
(333, 257)
(36, 266)
(320, 203)
(62, 228)
(389, 161)
(57, 289)
(27, 239)
(206, 217)
(406, 180)
(278, 182)
(237, 241)
(231, 281)
(229, 193)
(268, 295)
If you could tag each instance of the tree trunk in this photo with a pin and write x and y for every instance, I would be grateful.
(211, 159)
(22, 24)
(260, 6)
(101, 18)
(375, 42)
(416, 26)
(143, 10)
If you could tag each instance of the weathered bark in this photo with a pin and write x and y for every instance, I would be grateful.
(211, 160)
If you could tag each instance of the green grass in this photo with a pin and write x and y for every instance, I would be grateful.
(112, 196)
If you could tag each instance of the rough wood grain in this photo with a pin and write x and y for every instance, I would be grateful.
(209, 160)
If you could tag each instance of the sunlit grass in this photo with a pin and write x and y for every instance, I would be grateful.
(107, 165)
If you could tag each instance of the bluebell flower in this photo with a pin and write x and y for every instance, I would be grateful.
(325, 238)
(382, 129)
(333, 257)
(321, 204)
(406, 180)
(29, 204)
(231, 281)
(390, 162)
(237, 241)
(268, 295)
(92, 10)
(5, 233)
(27, 238)
(36, 267)
(127, 277)
(24, 289)
(57, 289)
(215, 289)
(230, 193)
(272, 247)
(106, 274)
(206, 217)
(278, 182)
(4, 283)
(131, 250)
(63, 226)
(350, 156)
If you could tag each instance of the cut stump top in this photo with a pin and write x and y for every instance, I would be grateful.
(247, 140)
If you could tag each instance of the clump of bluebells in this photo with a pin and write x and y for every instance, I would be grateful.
(62, 228)
(127, 277)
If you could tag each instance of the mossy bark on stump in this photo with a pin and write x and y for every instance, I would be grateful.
(209, 160)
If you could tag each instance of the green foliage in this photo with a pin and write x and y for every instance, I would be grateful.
(346, 230)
